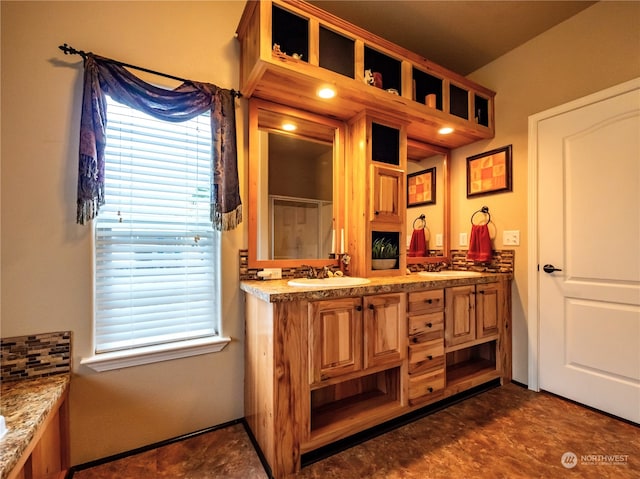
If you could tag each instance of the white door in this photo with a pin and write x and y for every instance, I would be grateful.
(589, 230)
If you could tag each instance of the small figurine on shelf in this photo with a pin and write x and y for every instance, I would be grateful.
(373, 78)
(277, 51)
(368, 77)
(297, 56)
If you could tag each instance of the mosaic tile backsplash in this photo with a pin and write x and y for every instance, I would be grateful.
(35, 355)
(501, 262)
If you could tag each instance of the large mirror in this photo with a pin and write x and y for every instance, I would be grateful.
(428, 213)
(296, 164)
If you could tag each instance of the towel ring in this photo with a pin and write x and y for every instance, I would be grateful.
(485, 210)
(420, 218)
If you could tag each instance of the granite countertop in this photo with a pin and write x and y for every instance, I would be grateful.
(278, 290)
(25, 404)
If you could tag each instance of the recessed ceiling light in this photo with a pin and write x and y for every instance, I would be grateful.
(289, 127)
(326, 92)
(446, 130)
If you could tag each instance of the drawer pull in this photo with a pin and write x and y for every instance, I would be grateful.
(358, 308)
(428, 325)
(430, 357)
(415, 340)
(429, 301)
(372, 307)
(430, 389)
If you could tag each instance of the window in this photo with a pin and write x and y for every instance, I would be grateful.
(156, 252)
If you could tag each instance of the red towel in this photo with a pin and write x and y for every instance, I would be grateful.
(480, 244)
(418, 244)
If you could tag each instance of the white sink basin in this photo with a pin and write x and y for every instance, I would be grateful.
(3, 427)
(325, 282)
(448, 273)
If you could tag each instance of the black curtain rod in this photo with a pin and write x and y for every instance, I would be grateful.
(69, 50)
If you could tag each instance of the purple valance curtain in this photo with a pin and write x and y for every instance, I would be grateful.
(103, 76)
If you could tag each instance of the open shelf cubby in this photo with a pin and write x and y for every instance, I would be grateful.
(481, 110)
(392, 237)
(467, 363)
(385, 144)
(291, 32)
(388, 67)
(425, 84)
(344, 403)
(337, 52)
(459, 102)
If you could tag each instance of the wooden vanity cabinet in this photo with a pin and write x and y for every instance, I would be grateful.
(477, 339)
(370, 331)
(343, 343)
(461, 316)
(473, 312)
(335, 338)
(321, 370)
(489, 309)
(425, 317)
(385, 330)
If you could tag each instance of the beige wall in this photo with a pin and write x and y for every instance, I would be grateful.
(46, 257)
(593, 50)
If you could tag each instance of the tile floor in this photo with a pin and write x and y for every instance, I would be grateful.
(506, 432)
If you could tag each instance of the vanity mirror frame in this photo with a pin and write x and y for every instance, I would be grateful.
(417, 150)
(261, 116)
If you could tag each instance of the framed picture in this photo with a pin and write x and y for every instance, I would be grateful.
(421, 187)
(489, 172)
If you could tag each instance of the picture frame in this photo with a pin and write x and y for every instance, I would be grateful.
(490, 172)
(421, 188)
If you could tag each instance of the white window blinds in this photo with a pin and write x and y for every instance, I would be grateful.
(156, 253)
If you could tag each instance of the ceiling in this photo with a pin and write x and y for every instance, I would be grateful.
(459, 35)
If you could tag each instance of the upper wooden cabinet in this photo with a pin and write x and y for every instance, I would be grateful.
(317, 49)
(375, 190)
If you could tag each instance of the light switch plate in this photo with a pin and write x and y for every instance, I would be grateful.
(463, 239)
(438, 239)
(511, 238)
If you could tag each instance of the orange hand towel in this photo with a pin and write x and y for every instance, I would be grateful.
(480, 244)
(418, 244)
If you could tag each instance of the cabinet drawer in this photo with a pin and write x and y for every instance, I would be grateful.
(427, 356)
(426, 301)
(426, 385)
(425, 327)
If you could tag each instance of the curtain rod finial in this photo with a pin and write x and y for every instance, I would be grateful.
(69, 50)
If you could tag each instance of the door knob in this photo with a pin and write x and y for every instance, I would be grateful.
(549, 268)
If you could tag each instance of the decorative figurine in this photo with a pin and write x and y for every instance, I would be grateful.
(368, 77)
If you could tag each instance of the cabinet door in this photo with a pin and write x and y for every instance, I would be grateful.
(46, 458)
(385, 330)
(388, 188)
(335, 338)
(460, 315)
(489, 300)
